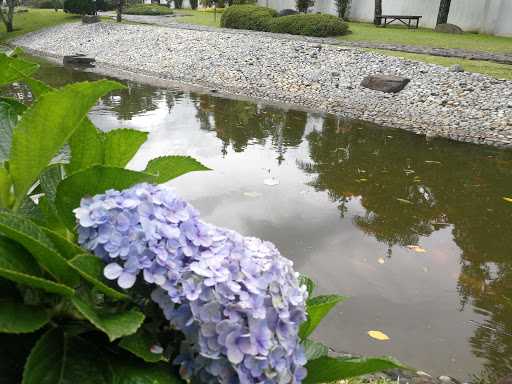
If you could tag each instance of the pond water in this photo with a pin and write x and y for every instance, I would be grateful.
(416, 232)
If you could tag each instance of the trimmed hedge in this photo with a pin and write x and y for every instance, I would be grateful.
(44, 4)
(311, 24)
(148, 9)
(265, 19)
(86, 7)
(287, 12)
(248, 17)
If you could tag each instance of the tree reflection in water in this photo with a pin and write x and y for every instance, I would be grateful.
(409, 189)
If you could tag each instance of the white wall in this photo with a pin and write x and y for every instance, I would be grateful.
(486, 16)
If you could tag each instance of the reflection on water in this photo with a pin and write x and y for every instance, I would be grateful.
(352, 197)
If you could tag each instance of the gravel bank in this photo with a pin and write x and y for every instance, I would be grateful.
(437, 102)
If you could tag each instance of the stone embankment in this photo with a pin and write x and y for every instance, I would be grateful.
(435, 102)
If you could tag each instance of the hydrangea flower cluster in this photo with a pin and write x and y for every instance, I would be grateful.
(236, 299)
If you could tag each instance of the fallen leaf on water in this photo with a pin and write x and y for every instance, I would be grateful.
(378, 335)
(403, 201)
(432, 162)
(361, 180)
(252, 194)
(417, 248)
(508, 199)
(381, 260)
(425, 269)
(271, 181)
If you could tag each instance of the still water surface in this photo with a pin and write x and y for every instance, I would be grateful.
(351, 198)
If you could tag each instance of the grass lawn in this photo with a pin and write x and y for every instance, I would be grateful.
(427, 37)
(499, 71)
(198, 17)
(33, 20)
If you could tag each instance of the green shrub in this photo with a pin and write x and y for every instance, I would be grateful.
(45, 4)
(248, 17)
(178, 4)
(86, 7)
(309, 25)
(304, 5)
(194, 4)
(242, 2)
(148, 9)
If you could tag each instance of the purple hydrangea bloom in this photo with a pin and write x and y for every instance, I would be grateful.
(236, 299)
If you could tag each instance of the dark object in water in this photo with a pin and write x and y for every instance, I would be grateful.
(79, 60)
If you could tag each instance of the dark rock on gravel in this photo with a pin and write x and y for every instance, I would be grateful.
(385, 83)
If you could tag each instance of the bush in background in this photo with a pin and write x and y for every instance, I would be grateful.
(178, 4)
(342, 7)
(193, 4)
(304, 5)
(148, 10)
(87, 7)
(287, 12)
(319, 25)
(248, 17)
(243, 2)
(45, 4)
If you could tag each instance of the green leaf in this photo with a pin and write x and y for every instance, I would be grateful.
(331, 369)
(317, 308)
(66, 248)
(33, 238)
(9, 113)
(14, 69)
(50, 178)
(314, 350)
(169, 167)
(84, 156)
(6, 198)
(21, 318)
(77, 186)
(310, 284)
(120, 145)
(115, 325)
(91, 269)
(140, 344)
(38, 87)
(128, 371)
(60, 359)
(46, 126)
(19, 266)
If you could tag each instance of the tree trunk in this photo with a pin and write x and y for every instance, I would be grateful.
(444, 10)
(378, 12)
(119, 17)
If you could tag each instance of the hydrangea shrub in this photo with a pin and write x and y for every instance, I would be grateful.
(235, 298)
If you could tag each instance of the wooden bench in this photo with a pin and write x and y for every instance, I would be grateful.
(405, 20)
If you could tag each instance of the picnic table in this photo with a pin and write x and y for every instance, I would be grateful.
(405, 20)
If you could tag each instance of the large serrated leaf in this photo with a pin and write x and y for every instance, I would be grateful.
(50, 178)
(140, 345)
(115, 325)
(317, 308)
(21, 318)
(9, 112)
(54, 117)
(60, 359)
(331, 369)
(33, 238)
(14, 69)
(169, 167)
(66, 248)
(91, 269)
(120, 145)
(85, 156)
(77, 186)
(19, 266)
(314, 350)
(131, 371)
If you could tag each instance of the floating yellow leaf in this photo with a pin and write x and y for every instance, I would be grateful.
(416, 248)
(404, 201)
(508, 199)
(378, 335)
(381, 260)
